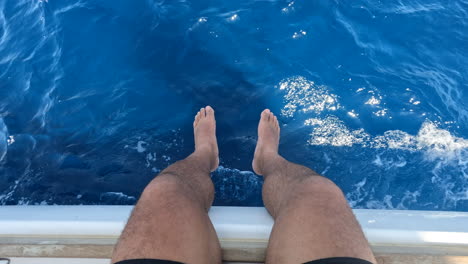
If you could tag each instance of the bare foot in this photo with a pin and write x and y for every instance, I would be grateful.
(268, 140)
(204, 128)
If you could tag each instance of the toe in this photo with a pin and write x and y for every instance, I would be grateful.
(265, 114)
(209, 111)
(271, 117)
(202, 112)
(197, 118)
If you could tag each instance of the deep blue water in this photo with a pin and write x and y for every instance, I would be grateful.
(97, 96)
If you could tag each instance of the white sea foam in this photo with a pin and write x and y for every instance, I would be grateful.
(358, 194)
(24, 201)
(389, 163)
(117, 197)
(233, 18)
(388, 203)
(11, 140)
(141, 146)
(414, 101)
(447, 152)
(9, 193)
(373, 101)
(299, 34)
(304, 95)
(436, 143)
(150, 158)
(353, 114)
(382, 112)
(365, 193)
(289, 8)
(332, 131)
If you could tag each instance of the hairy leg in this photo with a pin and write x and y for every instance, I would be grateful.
(170, 221)
(312, 217)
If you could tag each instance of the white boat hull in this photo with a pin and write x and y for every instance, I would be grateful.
(91, 232)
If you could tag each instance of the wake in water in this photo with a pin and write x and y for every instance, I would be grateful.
(445, 155)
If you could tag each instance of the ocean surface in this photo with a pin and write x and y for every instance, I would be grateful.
(98, 96)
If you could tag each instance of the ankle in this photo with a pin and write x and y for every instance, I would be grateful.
(205, 158)
(269, 162)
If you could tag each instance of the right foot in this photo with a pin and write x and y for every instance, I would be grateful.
(268, 141)
(206, 146)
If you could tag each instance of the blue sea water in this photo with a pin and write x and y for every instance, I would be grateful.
(96, 97)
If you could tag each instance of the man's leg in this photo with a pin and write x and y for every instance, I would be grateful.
(170, 221)
(312, 218)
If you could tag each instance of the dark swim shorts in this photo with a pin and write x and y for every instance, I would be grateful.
(319, 261)
(147, 261)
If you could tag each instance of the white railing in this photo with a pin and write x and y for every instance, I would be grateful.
(388, 231)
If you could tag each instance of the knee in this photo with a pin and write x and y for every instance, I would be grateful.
(318, 183)
(320, 188)
(167, 189)
(162, 189)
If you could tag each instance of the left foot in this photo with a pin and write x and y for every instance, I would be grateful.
(204, 128)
